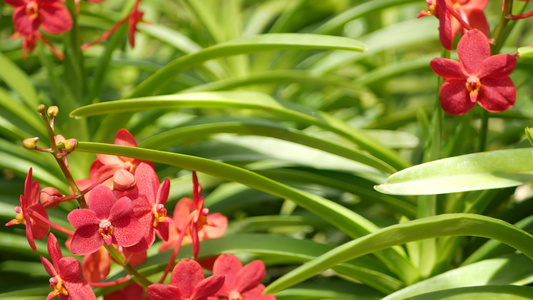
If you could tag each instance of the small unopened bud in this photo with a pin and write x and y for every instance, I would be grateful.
(59, 139)
(123, 181)
(70, 145)
(53, 111)
(41, 109)
(50, 197)
(30, 143)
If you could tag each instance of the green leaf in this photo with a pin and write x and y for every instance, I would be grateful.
(514, 269)
(496, 292)
(261, 128)
(339, 216)
(430, 227)
(18, 81)
(478, 171)
(525, 52)
(248, 100)
(252, 44)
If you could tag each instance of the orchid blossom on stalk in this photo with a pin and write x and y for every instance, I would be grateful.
(478, 77)
(66, 280)
(30, 15)
(28, 210)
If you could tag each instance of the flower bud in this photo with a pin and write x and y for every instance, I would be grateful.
(123, 181)
(41, 109)
(70, 145)
(53, 111)
(50, 197)
(59, 139)
(30, 143)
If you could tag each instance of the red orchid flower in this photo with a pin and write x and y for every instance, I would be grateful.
(134, 17)
(242, 283)
(28, 210)
(66, 280)
(106, 165)
(477, 77)
(438, 9)
(29, 15)
(105, 221)
(149, 207)
(211, 226)
(471, 11)
(187, 283)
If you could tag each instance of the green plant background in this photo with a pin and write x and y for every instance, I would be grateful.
(292, 112)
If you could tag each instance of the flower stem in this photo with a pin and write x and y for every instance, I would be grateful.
(131, 270)
(500, 32)
(484, 131)
(60, 160)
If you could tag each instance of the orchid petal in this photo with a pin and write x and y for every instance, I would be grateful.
(250, 275)
(229, 265)
(208, 287)
(101, 200)
(69, 269)
(56, 18)
(147, 181)
(500, 65)
(122, 209)
(186, 275)
(54, 250)
(82, 217)
(473, 49)
(96, 266)
(125, 138)
(163, 191)
(23, 23)
(478, 20)
(497, 94)
(454, 97)
(445, 26)
(158, 291)
(48, 267)
(79, 290)
(15, 3)
(39, 228)
(86, 240)
(447, 68)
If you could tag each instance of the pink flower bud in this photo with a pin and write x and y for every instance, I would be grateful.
(53, 111)
(123, 181)
(50, 197)
(70, 145)
(30, 143)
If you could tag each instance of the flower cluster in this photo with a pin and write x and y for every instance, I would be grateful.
(122, 212)
(54, 18)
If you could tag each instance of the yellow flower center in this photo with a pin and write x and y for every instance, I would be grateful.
(56, 283)
(234, 296)
(19, 217)
(160, 214)
(32, 9)
(473, 85)
(106, 230)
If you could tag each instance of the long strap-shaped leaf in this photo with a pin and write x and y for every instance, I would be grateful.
(254, 127)
(258, 43)
(250, 100)
(430, 227)
(478, 171)
(339, 216)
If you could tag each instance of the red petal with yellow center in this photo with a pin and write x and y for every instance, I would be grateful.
(454, 97)
(186, 275)
(23, 23)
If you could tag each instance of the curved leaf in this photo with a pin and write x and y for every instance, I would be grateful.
(430, 227)
(258, 43)
(513, 269)
(248, 100)
(478, 171)
(498, 292)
